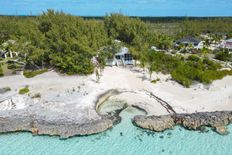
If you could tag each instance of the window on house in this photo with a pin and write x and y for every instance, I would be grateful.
(117, 57)
(128, 57)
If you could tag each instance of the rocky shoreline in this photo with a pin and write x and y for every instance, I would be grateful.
(61, 125)
(197, 121)
(42, 121)
(65, 127)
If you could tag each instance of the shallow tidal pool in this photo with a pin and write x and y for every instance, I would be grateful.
(123, 139)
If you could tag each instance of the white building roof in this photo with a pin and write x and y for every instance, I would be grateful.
(123, 51)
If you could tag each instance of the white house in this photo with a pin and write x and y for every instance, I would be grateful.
(200, 45)
(189, 40)
(123, 57)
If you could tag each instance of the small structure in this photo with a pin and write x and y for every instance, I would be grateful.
(123, 57)
(190, 41)
(6, 52)
(227, 44)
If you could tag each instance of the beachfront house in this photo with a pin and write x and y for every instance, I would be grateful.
(227, 44)
(190, 41)
(122, 58)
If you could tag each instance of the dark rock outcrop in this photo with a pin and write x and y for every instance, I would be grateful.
(196, 121)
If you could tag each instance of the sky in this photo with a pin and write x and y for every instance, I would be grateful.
(127, 7)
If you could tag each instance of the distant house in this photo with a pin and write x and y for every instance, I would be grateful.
(5, 52)
(123, 57)
(227, 44)
(187, 41)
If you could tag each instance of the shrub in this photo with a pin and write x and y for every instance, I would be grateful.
(210, 75)
(193, 58)
(156, 80)
(31, 74)
(24, 90)
(181, 79)
(211, 65)
(185, 74)
(13, 66)
(1, 72)
(223, 56)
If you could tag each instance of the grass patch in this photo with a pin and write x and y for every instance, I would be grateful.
(24, 90)
(1, 72)
(156, 80)
(31, 74)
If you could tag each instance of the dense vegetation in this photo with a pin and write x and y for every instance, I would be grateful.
(68, 43)
(185, 71)
(223, 56)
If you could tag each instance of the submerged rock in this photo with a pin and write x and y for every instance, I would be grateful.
(221, 130)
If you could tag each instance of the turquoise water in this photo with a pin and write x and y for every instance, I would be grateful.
(123, 139)
(128, 7)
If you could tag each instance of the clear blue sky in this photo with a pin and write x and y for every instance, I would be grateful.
(127, 7)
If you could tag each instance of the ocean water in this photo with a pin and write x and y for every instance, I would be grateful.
(123, 139)
(127, 7)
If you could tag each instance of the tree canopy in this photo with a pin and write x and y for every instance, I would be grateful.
(68, 43)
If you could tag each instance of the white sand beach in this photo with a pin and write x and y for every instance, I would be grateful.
(66, 94)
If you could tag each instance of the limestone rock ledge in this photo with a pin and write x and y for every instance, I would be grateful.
(196, 121)
(60, 126)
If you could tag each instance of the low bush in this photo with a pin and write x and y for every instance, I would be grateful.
(223, 56)
(185, 71)
(1, 71)
(31, 74)
(24, 90)
(156, 80)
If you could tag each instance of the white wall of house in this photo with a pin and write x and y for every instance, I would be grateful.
(227, 44)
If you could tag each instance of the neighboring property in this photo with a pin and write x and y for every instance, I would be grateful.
(2, 54)
(189, 40)
(227, 44)
(123, 57)
(5, 52)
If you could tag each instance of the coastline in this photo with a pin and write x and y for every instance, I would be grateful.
(217, 121)
(67, 110)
